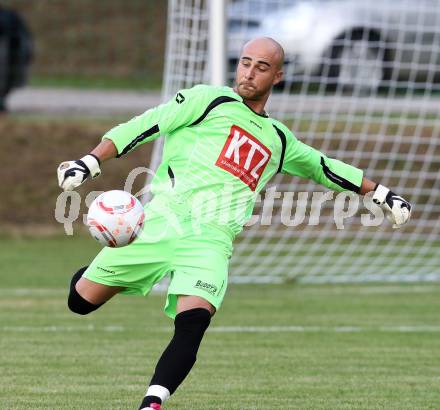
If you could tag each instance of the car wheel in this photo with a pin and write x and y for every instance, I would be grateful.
(357, 62)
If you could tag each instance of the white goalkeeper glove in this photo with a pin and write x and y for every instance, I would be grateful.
(72, 174)
(397, 209)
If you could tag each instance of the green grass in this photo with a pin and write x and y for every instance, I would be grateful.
(52, 359)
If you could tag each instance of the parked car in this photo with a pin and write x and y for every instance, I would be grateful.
(350, 43)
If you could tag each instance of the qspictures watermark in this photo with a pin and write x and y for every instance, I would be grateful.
(224, 206)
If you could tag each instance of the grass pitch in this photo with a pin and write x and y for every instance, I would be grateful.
(269, 347)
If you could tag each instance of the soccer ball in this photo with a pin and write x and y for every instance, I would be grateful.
(115, 218)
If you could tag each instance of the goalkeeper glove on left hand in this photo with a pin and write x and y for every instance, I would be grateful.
(397, 209)
(72, 174)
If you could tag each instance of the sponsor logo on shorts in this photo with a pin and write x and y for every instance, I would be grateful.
(106, 270)
(208, 287)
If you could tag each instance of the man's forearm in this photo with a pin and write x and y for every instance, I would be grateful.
(105, 150)
(367, 186)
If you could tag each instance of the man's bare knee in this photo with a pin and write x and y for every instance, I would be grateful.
(85, 296)
(94, 292)
(188, 302)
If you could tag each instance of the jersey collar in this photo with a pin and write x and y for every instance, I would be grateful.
(264, 115)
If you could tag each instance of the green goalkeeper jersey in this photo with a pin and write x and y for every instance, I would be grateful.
(219, 154)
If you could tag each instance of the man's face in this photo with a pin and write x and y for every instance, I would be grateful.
(257, 71)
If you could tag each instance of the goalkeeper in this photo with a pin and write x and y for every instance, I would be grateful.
(221, 148)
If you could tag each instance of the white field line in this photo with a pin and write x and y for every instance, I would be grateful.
(33, 291)
(324, 329)
(5, 292)
(161, 288)
(234, 329)
(374, 289)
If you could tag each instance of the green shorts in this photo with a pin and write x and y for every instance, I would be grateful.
(196, 258)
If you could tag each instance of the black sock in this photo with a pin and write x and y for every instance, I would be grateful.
(180, 355)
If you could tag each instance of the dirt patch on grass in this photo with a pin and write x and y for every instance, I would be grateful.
(31, 150)
(94, 38)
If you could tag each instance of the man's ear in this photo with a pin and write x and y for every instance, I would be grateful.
(278, 77)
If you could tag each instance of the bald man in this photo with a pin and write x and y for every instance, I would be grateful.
(221, 148)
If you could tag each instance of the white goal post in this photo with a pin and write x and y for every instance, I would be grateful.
(364, 89)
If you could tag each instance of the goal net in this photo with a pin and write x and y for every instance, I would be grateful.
(362, 85)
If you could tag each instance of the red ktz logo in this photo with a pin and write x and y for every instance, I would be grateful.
(244, 156)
